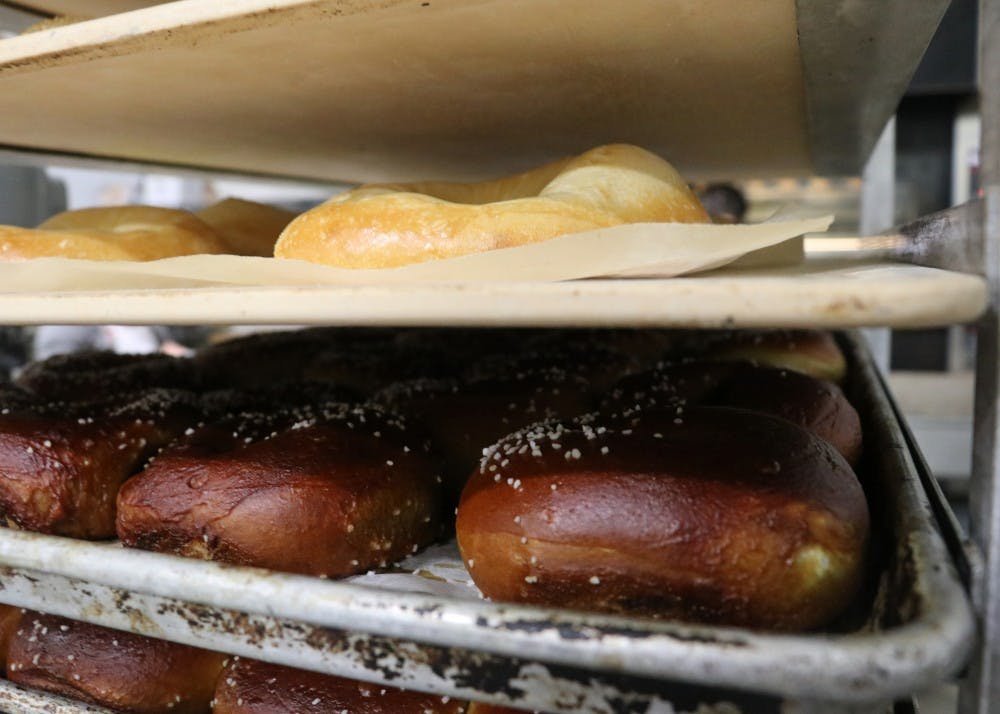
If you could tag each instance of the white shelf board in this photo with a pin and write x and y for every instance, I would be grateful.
(354, 90)
(813, 295)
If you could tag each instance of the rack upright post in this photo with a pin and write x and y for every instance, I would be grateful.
(981, 690)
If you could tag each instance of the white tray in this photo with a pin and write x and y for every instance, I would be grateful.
(816, 294)
(355, 90)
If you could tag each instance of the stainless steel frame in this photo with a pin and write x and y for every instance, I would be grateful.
(916, 630)
(981, 690)
(853, 37)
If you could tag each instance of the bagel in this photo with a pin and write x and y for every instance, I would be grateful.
(61, 463)
(812, 352)
(120, 233)
(85, 376)
(10, 618)
(326, 491)
(813, 404)
(122, 671)
(385, 226)
(250, 687)
(465, 415)
(719, 516)
(249, 228)
(50, 23)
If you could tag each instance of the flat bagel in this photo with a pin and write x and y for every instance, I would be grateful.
(117, 233)
(249, 228)
(390, 225)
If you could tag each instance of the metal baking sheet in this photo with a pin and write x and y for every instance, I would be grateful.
(917, 631)
(18, 700)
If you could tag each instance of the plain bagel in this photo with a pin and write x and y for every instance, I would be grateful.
(249, 228)
(384, 226)
(119, 233)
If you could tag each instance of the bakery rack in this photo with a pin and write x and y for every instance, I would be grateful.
(353, 90)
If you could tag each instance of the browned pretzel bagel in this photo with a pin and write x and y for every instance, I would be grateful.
(716, 515)
(247, 686)
(119, 670)
(384, 226)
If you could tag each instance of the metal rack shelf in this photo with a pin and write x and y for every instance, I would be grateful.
(834, 73)
(18, 700)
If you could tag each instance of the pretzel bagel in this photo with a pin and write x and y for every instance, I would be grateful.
(389, 225)
(118, 233)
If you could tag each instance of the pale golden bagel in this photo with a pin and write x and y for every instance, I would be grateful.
(118, 233)
(249, 228)
(50, 23)
(384, 226)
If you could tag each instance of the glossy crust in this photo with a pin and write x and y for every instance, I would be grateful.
(463, 417)
(330, 492)
(248, 228)
(645, 345)
(97, 375)
(481, 708)
(368, 368)
(120, 233)
(251, 687)
(812, 352)
(719, 516)
(114, 669)
(61, 463)
(10, 619)
(382, 226)
(262, 359)
(814, 404)
(597, 364)
(358, 359)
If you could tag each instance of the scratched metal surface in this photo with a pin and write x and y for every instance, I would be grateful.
(913, 627)
(951, 239)
(17, 700)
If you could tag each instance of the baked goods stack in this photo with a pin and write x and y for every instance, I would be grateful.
(694, 476)
(703, 477)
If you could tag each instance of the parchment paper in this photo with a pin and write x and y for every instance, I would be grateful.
(633, 250)
(436, 571)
